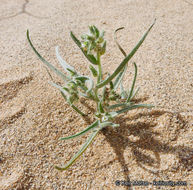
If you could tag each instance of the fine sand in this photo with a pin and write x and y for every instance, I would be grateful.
(155, 144)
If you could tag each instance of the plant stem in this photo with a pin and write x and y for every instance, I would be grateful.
(98, 78)
(96, 95)
(99, 69)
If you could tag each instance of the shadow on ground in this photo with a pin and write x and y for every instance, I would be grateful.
(119, 141)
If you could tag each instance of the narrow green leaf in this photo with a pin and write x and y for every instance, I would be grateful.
(90, 85)
(92, 59)
(103, 49)
(49, 73)
(134, 107)
(105, 124)
(100, 107)
(60, 88)
(135, 93)
(73, 72)
(81, 78)
(77, 110)
(103, 94)
(115, 38)
(66, 97)
(120, 77)
(84, 95)
(93, 70)
(92, 31)
(122, 73)
(96, 31)
(78, 43)
(100, 74)
(90, 82)
(62, 62)
(111, 85)
(133, 84)
(93, 125)
(102, 34)
(118, 105)
(123, 92)
(80, 152)
(113, 114)
(58, 72)
(115, 125)
(125, 61)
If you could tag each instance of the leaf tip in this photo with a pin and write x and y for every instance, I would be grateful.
(27, 33)
(56, 48)
(59, 168)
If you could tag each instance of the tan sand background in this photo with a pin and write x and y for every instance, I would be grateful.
(150, 144)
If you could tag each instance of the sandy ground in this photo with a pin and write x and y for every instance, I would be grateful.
(150, 144)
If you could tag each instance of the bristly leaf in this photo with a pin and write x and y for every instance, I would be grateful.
(104, 93)
(120, 77)
(92, 31)
(103, 48)
(58, 72)
(90, 82)
(118, 105)
(123, 92)
(122, 73)
(95, 124)
(96, 31)
(77, 110)
(78, 43)
(115, 38)
(93, 70)
(125, 61)
(134, 107)
(80, 152)
(66, 97)
(100, 107)
(82, 78)
(90, 85)
(105, 124)
(135, 93)
(65, 66)
(49, 73)
(92, 59)
(111, 85)
(60, 88)
(133, 84)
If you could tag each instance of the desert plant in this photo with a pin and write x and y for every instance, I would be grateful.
(110, 101)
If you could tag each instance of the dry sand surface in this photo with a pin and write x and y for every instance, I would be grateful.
(150, 145)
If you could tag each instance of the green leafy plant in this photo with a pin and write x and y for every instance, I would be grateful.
(110, 101)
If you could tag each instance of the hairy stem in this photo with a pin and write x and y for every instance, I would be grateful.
(99, 69)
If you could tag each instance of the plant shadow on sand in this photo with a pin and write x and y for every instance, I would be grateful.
(119, 140)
